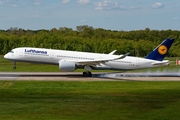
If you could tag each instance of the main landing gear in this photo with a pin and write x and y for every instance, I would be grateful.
(87, 74)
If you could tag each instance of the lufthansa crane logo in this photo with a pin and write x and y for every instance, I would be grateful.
(162, 49)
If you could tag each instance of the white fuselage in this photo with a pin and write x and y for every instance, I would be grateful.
(51, 56)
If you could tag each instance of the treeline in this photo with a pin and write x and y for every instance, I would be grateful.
(89, 39)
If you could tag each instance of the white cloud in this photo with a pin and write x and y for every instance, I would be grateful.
(176, 7)
(9, 0)
(1, 3)
(83, 2)
(106, 4)
(14, 5)
(82, 21)
(37, 2)
(133, 7)
(157, 5)
(109, 5)
(1, 16)
(34, 15)
(176, 18)
(65, 1)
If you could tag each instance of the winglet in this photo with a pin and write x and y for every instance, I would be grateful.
(111, 53)
(160, 51)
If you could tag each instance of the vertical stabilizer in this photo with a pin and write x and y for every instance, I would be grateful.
(160, 51)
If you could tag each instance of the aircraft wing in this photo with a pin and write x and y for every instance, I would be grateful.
(98, 61)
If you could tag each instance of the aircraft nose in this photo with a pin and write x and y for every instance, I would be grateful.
(6, 56)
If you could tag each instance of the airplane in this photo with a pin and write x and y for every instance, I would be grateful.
(69, 61)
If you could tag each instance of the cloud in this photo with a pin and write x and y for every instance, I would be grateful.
(176, 7)
(34, 15)
(176, 18)
(9, 0)
(1, 16)
(157, 5)
(65, 1)
(83, 2)
(106, 4)
(37, 2)
(1, 3)
(109, 5)
(82, 21)
(133, 7)
(14, 5)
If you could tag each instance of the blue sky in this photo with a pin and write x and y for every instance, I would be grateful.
(107, 14)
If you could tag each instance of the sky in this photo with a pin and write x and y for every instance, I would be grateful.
(118, 15)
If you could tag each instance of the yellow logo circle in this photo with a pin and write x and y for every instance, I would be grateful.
(162, 49)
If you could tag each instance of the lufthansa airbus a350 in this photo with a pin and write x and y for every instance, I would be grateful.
(72, 60)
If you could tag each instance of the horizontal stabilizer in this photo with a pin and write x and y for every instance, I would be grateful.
(164, 62)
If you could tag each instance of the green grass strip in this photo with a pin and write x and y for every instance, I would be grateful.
(112, 100)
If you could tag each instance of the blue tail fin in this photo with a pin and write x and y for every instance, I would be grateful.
(160, 51)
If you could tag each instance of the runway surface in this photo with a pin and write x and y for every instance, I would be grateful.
(77, 76)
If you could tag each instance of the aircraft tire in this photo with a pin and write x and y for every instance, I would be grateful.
(87, 74)
(14, 67)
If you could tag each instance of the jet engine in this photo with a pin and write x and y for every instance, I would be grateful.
(67, 66)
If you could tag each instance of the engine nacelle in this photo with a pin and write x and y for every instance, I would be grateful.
(67, 66)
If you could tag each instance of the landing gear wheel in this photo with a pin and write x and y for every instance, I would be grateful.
(14, 67)
(87, 74)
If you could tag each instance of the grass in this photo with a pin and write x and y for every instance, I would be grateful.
(27, 100)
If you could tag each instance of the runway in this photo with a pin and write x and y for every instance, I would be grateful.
(77, 76)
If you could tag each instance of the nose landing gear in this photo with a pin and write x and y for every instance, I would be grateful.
(14, 67)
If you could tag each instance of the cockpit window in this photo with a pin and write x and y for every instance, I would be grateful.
(11, 51)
